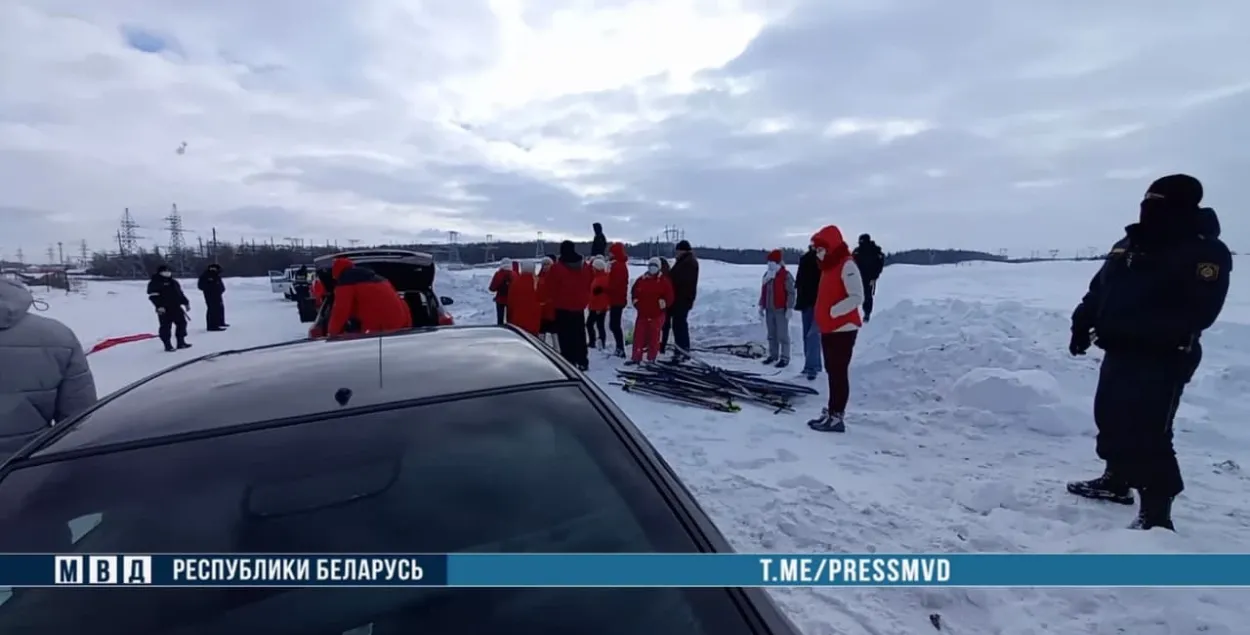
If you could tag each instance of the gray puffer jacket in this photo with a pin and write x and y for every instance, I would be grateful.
(44, 377)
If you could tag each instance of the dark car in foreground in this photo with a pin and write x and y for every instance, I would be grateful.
(461, 439)
(410, 272)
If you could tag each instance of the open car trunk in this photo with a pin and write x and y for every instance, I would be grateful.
(411, 273)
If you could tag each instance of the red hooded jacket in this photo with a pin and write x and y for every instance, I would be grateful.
(832, 289)
(618, 276)
(568, 283)
(599, 285)
(499, 284)
(367, 298)
(524, 310)
(647, 293)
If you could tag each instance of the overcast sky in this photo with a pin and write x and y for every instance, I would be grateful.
(1025, 124)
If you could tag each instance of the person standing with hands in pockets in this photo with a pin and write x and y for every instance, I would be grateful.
(652, 296)
(838, 299)
(777, 299)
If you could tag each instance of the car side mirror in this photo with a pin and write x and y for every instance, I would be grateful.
(446, 301)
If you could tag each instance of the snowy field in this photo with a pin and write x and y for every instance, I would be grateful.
(967, 416)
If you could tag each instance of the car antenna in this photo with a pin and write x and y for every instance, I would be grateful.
(380, 362)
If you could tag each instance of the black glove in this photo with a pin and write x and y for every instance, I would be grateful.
(598, 291)
(1081, 340)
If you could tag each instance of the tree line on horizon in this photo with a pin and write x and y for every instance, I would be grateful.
(250, 260)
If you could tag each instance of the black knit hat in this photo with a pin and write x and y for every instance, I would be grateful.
(1177, 191)
(682, 245)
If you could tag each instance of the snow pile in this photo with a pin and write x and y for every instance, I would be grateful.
(966, 418)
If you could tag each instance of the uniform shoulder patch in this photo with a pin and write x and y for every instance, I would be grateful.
(1208, 271)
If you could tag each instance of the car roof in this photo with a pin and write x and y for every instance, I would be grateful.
(375, 255)
(301, 378)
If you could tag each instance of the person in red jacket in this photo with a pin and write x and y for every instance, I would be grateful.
(548, 313)
(838, 298)
(499, 284)
(366, 299)
(599, 305)
(618, 293)
(568, 289)
(652, 294)
(524, 310)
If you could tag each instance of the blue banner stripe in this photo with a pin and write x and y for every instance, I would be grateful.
(612, 570)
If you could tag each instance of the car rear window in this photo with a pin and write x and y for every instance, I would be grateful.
(536, 471)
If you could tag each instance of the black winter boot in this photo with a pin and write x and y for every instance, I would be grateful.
(1107, 487)
(183, 344)
(169, 348)
(1155, 511)
(769, 361)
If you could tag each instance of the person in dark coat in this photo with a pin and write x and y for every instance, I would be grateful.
(685, 278)
(172, 305)
(213, 288)
(871, 262)
(599, 245)
(568, 289)
(1160, 287)
(807, 281)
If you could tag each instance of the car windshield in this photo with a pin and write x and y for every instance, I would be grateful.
(531, 471)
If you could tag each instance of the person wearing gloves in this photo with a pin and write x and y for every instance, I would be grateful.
(499, 284)
(172, 305)
(618, 293)
(838, 299)
(45, 377)
(777, 296)
(568, 285)
(211, 285)
(651, 296)
(599, 305)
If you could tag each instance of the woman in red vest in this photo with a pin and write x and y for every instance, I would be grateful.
(600, 303)
(838, 299)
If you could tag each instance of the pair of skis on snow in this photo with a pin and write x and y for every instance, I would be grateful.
(699, 383)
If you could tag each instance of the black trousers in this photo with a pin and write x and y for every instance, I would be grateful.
(571, 334)
(501, 314)
(595, 331)
(870, 289)
(677, 321)
(214, 311)
(172, 319)
(614, 325)
(1134, 407)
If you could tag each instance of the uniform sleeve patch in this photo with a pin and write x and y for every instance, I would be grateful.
(1208, 271)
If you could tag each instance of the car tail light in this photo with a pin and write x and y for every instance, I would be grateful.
(315, 332)
(444, 318)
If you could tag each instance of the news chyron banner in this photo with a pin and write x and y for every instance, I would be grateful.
(624, 570)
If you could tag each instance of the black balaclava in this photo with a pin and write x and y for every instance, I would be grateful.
(864, 239)
(568, 252)
(1171, 204)
(598, 228)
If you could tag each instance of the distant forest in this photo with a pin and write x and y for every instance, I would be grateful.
(257, 259)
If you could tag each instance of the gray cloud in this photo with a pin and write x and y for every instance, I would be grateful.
(974, 124)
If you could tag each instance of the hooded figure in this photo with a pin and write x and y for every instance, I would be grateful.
(871, 262)
(211, 285)
(568, 284)
(364, 302)
(171, 305)
(499, 284)
(599, 245)
(777, 297)
(45, 377)
(838, 298)
(651, 296)
(1159, 288)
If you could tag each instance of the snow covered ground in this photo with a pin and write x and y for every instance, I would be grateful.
(966, 418)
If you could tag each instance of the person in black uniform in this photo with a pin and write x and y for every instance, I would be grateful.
(1160, 287)
(171, 304)
(871, 262)
(211, 285)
